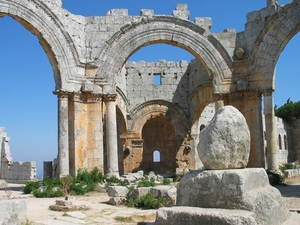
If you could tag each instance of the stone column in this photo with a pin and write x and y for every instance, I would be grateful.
(250, 105)
(219, 104)
(63, 133)
(272, 150)
(111, 135)
(272, 2)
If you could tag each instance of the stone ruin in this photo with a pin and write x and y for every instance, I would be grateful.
(13, 172)
(227, 192)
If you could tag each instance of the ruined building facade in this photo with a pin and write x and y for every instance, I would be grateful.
(110, 113)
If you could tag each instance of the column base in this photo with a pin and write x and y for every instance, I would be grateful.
(113, 174)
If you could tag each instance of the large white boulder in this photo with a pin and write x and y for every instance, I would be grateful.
(225, 142)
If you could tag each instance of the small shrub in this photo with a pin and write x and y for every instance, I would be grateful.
(79, 189)
(48, 193)
(149, 202)
(115, 180)
(166, 181)
(51, 182)
(287, 166)
(66, 183)
(30, 186)
(84, 182)
(146, 182)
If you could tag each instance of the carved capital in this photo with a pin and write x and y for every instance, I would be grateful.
(137, 143)
(93, 97)
(61, 94)
(268, 92)
(110, 98)
(75, 96)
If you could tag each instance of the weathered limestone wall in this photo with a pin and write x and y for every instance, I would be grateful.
(283, 137)
(283, 149)
(14, 172)
(197, 76)
(294, 142)
(173, 77)
(86, 149)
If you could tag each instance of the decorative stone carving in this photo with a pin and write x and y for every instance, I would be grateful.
(225, 142)
(239, 53)
(110, 97)
(181, 12)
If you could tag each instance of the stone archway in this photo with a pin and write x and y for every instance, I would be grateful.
(158, 135)
(277, 32)
(162, 29)
(37, 18)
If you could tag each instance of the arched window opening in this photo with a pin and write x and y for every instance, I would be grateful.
(279, 141)
(285, 142)
(156, 156)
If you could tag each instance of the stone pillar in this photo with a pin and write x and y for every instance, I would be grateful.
(219, 104)
(111, 135)
(272, 2)
(250, 105)
(272, 150)
(63, 133)
(47, 169)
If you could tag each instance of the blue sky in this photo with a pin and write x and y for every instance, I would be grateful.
(28, 109)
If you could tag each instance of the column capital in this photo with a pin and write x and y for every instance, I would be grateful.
(90, 97)
(110, 97)
(75, 96)
(61, 93)
(268, 92)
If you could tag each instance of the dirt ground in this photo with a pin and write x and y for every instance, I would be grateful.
(290, 193)
(101, 213)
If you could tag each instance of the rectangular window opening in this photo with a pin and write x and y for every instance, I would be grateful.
(156, 79)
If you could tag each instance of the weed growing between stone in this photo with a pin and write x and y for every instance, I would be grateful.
(146, 182)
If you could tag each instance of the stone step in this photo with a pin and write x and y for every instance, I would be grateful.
(3, 183)
(193, 215)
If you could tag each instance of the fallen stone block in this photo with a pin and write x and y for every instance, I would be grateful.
(169, 193)
(13, 212)
(117, 191)
(116, 200)
(139, 192)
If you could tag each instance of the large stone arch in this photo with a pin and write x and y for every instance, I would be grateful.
(277, 32)
(38, 18)
(162, 29)
(151, 109)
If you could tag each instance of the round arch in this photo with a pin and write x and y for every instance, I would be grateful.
(36, 17)
(163, 29)
(277, 32)
(155, 108)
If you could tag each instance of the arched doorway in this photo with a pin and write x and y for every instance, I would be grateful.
(158, 136)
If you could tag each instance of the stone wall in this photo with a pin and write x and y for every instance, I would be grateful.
(173, 86)
(294, 142)
(283, 149)
(14, 172)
